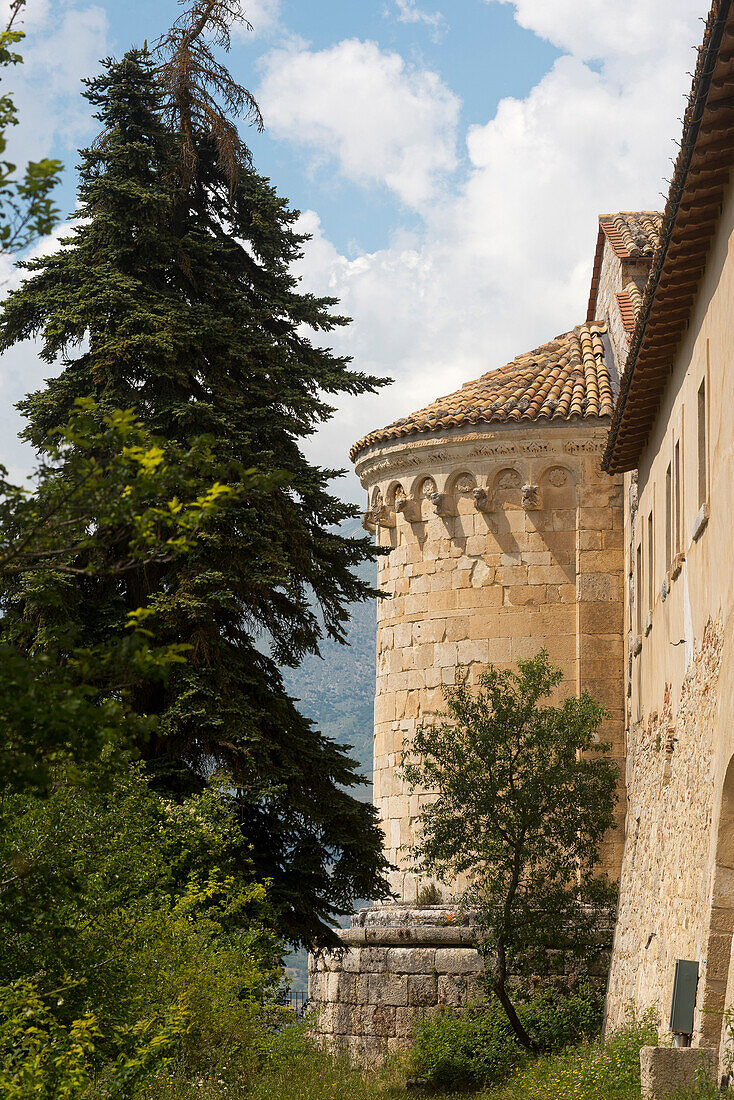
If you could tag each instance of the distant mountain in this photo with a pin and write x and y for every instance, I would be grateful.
(337, 690)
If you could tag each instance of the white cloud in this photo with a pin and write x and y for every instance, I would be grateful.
(503, 262)
(63, 45)
(382, 120)
(409, 12)
(620, 32)
(264, 15)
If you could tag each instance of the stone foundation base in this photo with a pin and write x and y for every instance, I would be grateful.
(399, 964)
(667, 1071)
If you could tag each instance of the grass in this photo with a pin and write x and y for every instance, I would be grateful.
(293, 1070)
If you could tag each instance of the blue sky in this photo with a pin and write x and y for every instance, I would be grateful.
(480, 52)
(449, 157)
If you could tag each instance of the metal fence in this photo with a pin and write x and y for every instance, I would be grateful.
(297, 1001)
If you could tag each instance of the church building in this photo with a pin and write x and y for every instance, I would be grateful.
(580, 498)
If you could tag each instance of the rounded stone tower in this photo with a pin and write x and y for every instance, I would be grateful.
(504, 537)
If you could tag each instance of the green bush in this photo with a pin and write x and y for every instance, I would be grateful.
(462, 1050)
(134, 910)
(589, 1071)
(43, 1059)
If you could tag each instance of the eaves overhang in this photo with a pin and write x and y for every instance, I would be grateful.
(690, 219)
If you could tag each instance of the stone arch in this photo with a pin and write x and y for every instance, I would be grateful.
(507, 487)
(460, 488)
(712, 998)
(395, 492)
(376, 500)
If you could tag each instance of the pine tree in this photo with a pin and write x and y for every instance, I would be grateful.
(174, 298)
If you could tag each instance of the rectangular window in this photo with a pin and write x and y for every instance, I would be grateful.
(650, 564)
(638, 590)
(668, 515)
(678, 520)
(702, 472)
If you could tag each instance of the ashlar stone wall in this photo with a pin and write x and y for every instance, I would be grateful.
(501, 542)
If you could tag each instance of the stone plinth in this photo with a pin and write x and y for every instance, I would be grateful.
(665, 1072)
(399, 964)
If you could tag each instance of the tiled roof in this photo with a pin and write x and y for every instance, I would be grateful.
(633, 235)
(563, 379)
(701, 174)
(629, 302)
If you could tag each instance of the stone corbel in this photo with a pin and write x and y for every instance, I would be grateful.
(530, 497)
(368, 522)
(411, 509)
(383, 516)
(482, 501)
(677, 565)
(442, 504)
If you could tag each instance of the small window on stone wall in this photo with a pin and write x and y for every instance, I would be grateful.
(650, 563)
(638, 590)
(702, 472)
(677, 490)
(668, 515)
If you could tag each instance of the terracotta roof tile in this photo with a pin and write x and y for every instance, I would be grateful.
(634, 235)
(691, 217)
(565, 378)
(629, 302)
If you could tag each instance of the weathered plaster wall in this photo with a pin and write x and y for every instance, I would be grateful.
(677, 889)
(501, 543)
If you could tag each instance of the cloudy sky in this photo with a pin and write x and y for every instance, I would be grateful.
(449, 158)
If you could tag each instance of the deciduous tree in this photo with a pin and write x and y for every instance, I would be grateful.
(525, 793)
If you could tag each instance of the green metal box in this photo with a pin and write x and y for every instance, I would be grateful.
(684, 997)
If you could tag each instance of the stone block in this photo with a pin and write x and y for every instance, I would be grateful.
(405, 1022)
(389, 989)
(421, 989)
(346, 991)
(666, 1071)
(452, 990)
(352, 961)
(410, 960)
(549, 574)
(457, 628)
(458, 960)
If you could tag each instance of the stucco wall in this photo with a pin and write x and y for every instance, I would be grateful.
(672, 890)
(532, 558)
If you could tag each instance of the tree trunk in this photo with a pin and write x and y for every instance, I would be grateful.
(500, 988)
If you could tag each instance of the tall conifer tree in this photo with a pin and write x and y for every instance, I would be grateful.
(174, 297)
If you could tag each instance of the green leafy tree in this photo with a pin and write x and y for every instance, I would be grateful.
(107, 501)
(27, 210)
(525, 793)
(174, 297)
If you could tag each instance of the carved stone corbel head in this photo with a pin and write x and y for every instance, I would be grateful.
(530, 497)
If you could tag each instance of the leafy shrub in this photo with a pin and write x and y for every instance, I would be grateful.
(590, 1071)
(476, 1047)
(44, 1059)
(140, 909)
(429, 895)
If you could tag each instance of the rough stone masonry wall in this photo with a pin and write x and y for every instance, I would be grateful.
(400, 964)
(499, 545)
(666, 873)
(367, 1000)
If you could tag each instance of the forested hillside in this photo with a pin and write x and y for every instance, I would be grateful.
(337, 689)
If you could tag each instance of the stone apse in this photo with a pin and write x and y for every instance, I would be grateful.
(503, 537)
